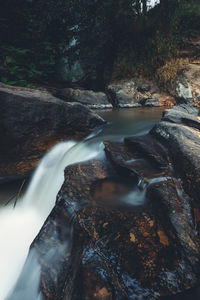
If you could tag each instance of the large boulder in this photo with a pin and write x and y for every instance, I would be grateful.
(187, 83)
(95, 100)
(180, 87)
(123, 94)
(32, 121)
(180, 131)
(138, 92)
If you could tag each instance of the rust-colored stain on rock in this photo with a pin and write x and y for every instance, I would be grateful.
(102, 294)
(163, 238)
(132, 237)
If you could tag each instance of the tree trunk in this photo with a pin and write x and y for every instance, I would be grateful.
(164, 8)
(138, 7)
(144, 12)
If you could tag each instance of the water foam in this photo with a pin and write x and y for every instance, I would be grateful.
(19, 226)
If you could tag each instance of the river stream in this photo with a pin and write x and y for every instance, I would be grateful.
(22, 217)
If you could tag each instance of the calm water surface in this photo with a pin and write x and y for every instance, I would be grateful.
(128, 122)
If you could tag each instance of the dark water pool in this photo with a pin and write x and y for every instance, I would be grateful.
(128, 122)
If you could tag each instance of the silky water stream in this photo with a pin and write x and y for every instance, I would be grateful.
(20, 224)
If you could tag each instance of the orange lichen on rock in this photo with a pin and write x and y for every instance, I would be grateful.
(102, 294)
(151, 223)
(96, 236)
(163, 238)
(132, 237)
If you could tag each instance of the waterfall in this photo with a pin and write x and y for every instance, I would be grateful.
(20, 225)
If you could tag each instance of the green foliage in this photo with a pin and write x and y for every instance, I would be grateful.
(169, 70)
(109, 38)
(186, 19)
(31, 41)
(101, 28)
(25, 67)
(156, 52)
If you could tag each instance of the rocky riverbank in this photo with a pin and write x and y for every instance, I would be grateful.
(32, 121)
(146, 247)
(137, 92)
(129, 93)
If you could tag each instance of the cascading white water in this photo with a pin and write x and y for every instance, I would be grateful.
(136, 197)
(19, 226)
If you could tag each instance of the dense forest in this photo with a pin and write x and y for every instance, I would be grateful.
(47, 42)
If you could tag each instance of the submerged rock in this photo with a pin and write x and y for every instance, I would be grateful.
(32, 121)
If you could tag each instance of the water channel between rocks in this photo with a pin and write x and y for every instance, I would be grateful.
(19, 226)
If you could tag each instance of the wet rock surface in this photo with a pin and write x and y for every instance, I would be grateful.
(138, 92)
(184, 146)
(135, 219)
(180, 87)
(150, 102)
(95, 100)
(31, 122)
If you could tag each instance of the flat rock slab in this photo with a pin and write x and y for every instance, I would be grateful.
(95, 100)
(181, 117)
(148, 147)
